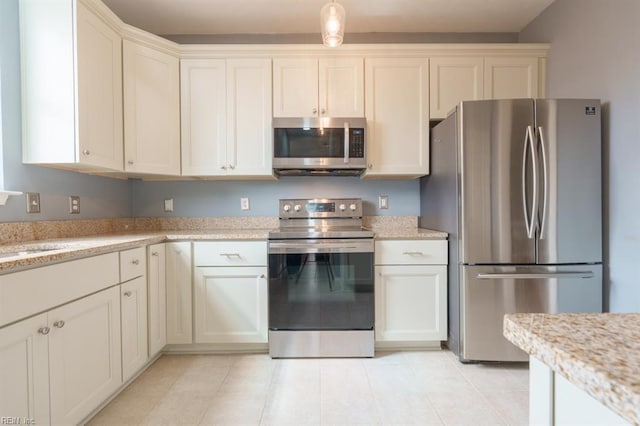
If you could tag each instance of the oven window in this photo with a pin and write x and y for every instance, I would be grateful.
(321, 291)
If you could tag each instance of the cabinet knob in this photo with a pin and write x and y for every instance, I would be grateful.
(262, 276)
(314, 111)
(323, 111)
(224, 167)
(155, 253)
(135, 262)
(370, 166)
(58, 324)
(127, 294)
(44, 330)
(231, 166)
(130, 162)
(86, 152)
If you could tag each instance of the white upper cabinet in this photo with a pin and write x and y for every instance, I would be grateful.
(397, 111)
(71, 86)
(511, 77)
(454, 79)
(324, 87)
(151, 110)
(226, 117)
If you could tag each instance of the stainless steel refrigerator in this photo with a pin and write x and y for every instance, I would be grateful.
(517, 185)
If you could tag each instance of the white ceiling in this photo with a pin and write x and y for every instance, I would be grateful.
(303, 16)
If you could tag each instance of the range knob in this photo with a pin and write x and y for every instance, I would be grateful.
(286, 207)
(353, 207)
(342, 207)
(297, 207)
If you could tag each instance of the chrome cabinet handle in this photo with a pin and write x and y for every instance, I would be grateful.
(86, 152)
(223, 167)
(231, 166)
(44, 330)
(127, 294)
(230, 255)
(413, 253)
(130, 162)
(58, 324)
(135, 262)
(314, 111)
(262, 276)
(155, 253)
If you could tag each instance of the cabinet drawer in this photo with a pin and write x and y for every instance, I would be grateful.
(28, 292)
(411, 252)
(230, 253)
(133, 263)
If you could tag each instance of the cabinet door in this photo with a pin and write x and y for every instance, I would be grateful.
(157, 299)
(249, 133)
(151, 110)
(341, 87)
(84, 355)
(295, 87)
(231, 305)
(454, 79)
(397, 111)
(133, 314)
(24, 370)
(99, 92)
(411, 303)
(178, 273)
(510, 77)
(204, 117)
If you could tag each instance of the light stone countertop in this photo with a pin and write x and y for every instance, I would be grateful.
(599, 353)
(64, 249)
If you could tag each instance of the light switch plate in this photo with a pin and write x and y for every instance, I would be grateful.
(383, 202)
(74, 204)
(33, 202)
(168, 205)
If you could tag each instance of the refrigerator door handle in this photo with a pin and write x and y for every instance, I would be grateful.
(535, 275)
(545, 182)
(529, 219)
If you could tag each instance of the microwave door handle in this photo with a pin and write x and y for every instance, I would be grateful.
(346, 143)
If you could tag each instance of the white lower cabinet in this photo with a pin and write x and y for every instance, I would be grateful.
(84, 355)
(231, 304)
(230, 285)
(133, 313)
(179, 304)
(411, 291)
(156, 298)
(24, 370)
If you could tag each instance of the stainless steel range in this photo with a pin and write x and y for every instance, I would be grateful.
(321, 280)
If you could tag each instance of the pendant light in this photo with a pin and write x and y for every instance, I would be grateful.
(332, 19)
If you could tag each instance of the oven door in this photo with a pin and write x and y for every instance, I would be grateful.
(321, 284)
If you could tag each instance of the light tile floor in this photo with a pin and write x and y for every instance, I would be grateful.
(402, 388)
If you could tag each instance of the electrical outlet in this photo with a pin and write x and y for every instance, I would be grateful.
(244, 203)
(74, 204)
(383, 202)
(168, 205)
(33, 202)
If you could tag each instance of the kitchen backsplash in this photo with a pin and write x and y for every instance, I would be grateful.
(18, 232)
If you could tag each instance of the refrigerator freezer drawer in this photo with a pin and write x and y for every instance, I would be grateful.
(490, 292)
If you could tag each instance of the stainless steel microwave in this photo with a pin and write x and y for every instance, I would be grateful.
(319, 146)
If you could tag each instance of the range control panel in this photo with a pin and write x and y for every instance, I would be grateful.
(320, 208)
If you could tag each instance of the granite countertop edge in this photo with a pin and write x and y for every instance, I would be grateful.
(573, 360)
(65, 249)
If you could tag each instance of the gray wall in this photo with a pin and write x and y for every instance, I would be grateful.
(594, 54)
(100, 197)
(222, 198)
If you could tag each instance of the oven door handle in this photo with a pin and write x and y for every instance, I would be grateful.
(320, 246)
